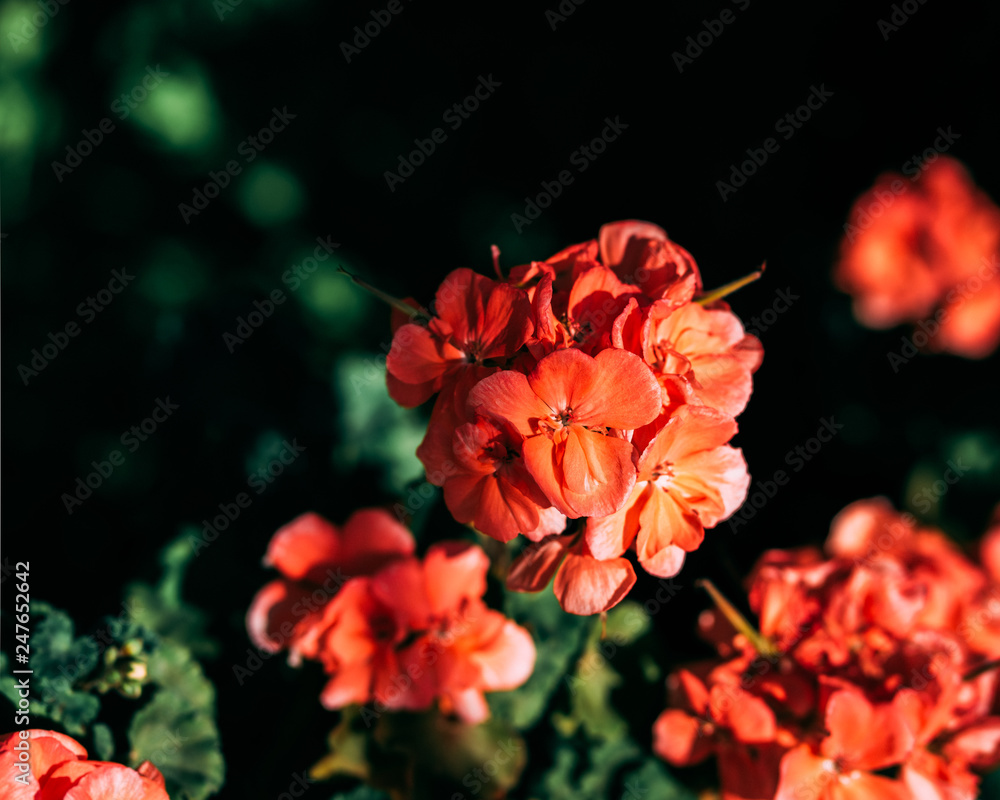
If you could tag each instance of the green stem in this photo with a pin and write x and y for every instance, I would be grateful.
(395, 302)
(761, 643)
(729, 288)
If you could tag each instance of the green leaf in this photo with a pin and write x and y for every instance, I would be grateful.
(558, 638)
(362, 792)
(383, 434)
(61, 662)
(653, 779)
(104, 741)
(592, 778)
(161, 609)
(176, 730)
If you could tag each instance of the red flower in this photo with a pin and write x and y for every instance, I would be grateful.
(401, 631)
(707, 348)
(877, 665)
(56, 767)
(923, 248)
(641, 253)
(583, 584)
(316, 558)
(485, 481)
(689, 479)
(476, 320)
(572, 410)
(549, 393)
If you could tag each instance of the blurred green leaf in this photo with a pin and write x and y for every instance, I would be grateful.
(104, 741)
(270, 195)
(558, 638)
(176, 730)
(382, 434)
(60, 662)
(161, 610)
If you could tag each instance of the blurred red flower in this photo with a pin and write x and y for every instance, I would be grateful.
(45, 765)
(400, 631)
(925, 250)
(873, 675)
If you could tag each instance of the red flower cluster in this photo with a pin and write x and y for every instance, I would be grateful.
(388, 626)
(45, 765)
(925, 250)
(873, 676)
(592, 385)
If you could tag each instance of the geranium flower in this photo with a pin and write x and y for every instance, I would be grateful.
(707, 348)
(864, 738)
(641, 253)
(583, 584)
(572, 410)
(419, 630)
(926, 251)
(476, 320)
(401, 631)
(316, 558)
(872, 661)
(57, 769)
(486, 483)
(688, 479)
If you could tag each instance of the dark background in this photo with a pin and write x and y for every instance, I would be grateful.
(324, 176)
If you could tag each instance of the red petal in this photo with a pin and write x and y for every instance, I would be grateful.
(351, 684)
(664, 525)
(418, 355)
(304, 548)
(410, 395)
(507, 659)
(851, 718)
(508, 396)
(586, 586)
(371, 539)
(453, 572)
(677, 738)
(535, 566)
(610, 536)
(271, 612)
(557, 469)
(615, 238)
(805, 775)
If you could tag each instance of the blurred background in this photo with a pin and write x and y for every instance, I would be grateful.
(171, 169)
